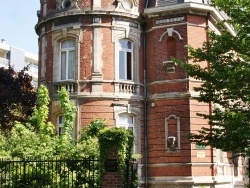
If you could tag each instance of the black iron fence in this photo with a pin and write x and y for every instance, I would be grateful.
(49, 173)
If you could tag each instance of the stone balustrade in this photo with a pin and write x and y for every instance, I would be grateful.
(127, 88)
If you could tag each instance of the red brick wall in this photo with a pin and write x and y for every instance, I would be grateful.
(193, 34)
(111, 180)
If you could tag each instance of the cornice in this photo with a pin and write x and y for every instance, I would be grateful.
(188, 8)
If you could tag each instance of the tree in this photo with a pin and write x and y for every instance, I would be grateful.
(17, 97)
(226, 81)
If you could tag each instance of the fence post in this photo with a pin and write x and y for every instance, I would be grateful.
(24, 172)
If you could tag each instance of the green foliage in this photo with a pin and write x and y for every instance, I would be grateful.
(122, 141)
(66, 142)
(36, 139)
(40, 115)
(69, 111)
(225, 81)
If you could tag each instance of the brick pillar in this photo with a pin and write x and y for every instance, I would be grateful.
(111, 177)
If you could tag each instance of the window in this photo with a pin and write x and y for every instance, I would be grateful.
(60, 125)
(125, 60)
(127, 121)
(67, 68)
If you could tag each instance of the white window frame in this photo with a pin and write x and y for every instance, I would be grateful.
(67, 51)
(60, 125)
(128, 125)
(127, 74)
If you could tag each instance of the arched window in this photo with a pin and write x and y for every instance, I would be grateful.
(125, 59)
(67, 66)
(60, 125)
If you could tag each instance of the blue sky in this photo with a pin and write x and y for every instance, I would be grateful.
(17, 21)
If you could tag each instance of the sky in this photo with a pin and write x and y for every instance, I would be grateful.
(17, 21)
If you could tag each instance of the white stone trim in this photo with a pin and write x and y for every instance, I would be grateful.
(172, 116)
(126, 31)
(135, 112)
(58, 36)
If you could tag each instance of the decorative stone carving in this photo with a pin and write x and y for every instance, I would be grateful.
(127, 5)
(170, 32)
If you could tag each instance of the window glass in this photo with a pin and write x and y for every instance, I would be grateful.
(68, 44)
(126, 44)
(60, 125)
(127, 121)
(67, 60)
(63, 66)
(125, 60)
(121, 65)
(71, 66)
(129, 66)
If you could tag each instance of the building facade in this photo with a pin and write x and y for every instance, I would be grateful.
(12, 56)
(114, 58)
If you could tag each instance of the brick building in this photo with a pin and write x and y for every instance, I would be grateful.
(114, 57)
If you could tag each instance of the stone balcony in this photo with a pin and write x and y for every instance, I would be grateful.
(78, 88)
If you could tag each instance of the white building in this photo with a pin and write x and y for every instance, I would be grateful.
(18, 58)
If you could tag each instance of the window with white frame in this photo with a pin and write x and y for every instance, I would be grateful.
(127, 121)
(125, 59)
(67, 66)
(60, 125)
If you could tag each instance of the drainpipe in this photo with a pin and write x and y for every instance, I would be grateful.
(145, 105)
(210, 106)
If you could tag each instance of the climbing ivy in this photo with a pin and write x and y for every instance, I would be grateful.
(122, 141)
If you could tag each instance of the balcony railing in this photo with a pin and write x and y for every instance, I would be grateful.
(127, 88)
(74, 87)
(70, 86)
(4, 62)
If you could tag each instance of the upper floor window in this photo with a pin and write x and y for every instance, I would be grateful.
(67, 67)
(125, 60)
